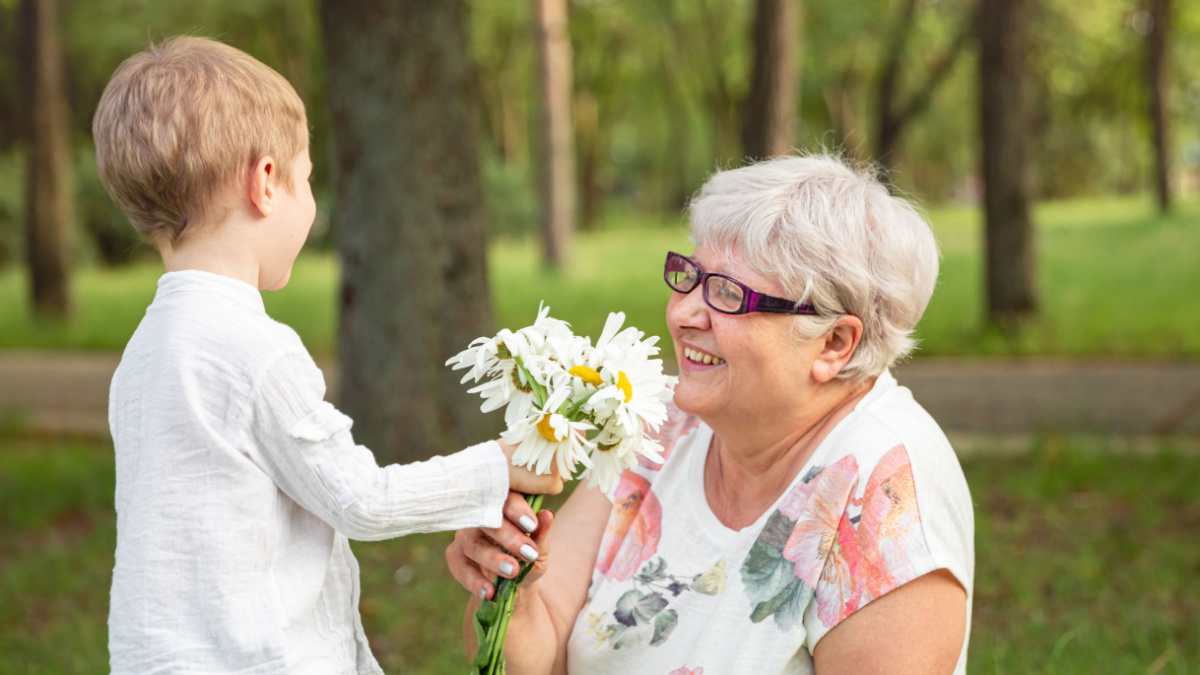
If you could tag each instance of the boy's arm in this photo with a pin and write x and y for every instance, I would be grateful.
(304, 444)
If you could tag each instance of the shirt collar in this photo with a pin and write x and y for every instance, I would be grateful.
(191, 281)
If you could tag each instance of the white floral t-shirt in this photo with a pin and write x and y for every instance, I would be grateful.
(881, 502)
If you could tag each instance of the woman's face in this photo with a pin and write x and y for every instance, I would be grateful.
(755, 368)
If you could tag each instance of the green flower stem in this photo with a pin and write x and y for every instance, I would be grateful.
(539, 392)
(570, 413)
(505, 597)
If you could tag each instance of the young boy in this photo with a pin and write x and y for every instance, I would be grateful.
(237, 484)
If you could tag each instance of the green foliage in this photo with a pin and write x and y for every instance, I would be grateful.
(1115, 282)
(1086, 562)
(659, 95)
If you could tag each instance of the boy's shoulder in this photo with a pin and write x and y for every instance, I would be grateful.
(203, 320)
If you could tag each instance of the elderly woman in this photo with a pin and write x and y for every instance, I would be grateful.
(810, 516)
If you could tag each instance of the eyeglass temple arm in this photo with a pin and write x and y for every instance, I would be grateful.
(761, 302)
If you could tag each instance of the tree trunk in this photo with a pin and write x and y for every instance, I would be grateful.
(557, 154)
(771, 105)
(410, 224)
(48, 215)
(1160, 15)
(889, 126)
(1004, 42)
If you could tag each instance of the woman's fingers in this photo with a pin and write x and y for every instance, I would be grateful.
(541, 538)
(519, 512)
(477, 555)
(464, 570)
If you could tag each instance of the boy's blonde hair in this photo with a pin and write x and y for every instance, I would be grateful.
(181, 123)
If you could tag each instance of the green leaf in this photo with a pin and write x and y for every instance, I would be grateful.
(636, 607)
(654, 570)
(768, 607)
(664, 623)
(486, 612)
(621, 635)
(480, 631)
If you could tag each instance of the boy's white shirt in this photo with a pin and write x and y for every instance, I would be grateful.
(237, 487)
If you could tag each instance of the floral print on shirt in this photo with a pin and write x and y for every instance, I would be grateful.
(630, 539)
(823, 541)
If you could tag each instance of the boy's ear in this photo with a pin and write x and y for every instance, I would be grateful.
(262, 191)
(839, 346)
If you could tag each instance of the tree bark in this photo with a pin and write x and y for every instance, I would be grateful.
(410, 221)
(557, 130)
(771, 105)
(1156, 57)
(48, 205)
(1003, 74)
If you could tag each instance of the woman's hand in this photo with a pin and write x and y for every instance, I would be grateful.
(478, 554)
(551, 595)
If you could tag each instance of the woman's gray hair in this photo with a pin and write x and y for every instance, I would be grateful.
(833, 237)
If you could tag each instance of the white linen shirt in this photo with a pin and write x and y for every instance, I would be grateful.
(237, 487)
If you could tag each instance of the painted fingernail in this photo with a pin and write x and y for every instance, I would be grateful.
(529, 553)
(506, 568)
(528, 524)
(483, 592)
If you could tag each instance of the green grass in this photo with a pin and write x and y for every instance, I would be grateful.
(1115, 280)
(1087, 562)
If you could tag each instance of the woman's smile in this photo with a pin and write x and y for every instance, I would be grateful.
(695, 357)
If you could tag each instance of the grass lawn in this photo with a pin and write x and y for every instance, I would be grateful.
(1087, 562)
(1115, 279)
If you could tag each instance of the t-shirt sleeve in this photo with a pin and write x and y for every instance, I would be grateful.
(304, 444)
(910, 519)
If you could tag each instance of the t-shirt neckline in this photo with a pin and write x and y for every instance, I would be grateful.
(703, 437)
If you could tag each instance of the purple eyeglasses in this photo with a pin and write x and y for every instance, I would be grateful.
(725, 294)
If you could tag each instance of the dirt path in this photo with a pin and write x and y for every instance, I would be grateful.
(67, 392)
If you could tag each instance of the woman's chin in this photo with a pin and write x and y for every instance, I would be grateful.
(694, 398)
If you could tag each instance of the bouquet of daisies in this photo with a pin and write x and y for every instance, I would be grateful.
(580, 409)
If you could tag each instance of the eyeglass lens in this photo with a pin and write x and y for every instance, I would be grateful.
(681, 274)
(721, 293)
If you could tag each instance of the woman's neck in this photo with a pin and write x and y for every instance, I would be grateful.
(752, 461)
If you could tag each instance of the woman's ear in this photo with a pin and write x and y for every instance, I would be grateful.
(262, 191)
(840, 343)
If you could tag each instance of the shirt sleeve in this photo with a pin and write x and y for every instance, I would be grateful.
(304, 445)
(902, 527)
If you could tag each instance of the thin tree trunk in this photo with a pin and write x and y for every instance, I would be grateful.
(1004, 42)
(48, 215)
(557, 130)
(772, 105)
(894, 117)
(1156, 57)
(410, 225)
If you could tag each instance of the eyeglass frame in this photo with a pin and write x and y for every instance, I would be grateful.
(752, 300)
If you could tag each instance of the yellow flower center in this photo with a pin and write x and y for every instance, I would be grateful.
(547, 431)
(624, 386)
(587, 375)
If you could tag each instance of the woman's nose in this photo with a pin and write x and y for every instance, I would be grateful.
(688, 310)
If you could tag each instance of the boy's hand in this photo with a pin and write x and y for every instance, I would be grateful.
(523, 480)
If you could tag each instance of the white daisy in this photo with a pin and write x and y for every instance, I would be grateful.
(636, 387)
(546, 439)
(613, 452)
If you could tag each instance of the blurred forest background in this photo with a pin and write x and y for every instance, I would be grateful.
(475, 157)
(660, 92)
